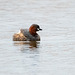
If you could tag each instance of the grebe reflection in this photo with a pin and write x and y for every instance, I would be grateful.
(30, 44)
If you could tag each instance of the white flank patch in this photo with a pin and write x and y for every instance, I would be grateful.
(19, 32)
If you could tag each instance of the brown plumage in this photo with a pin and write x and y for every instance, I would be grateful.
(28, 34)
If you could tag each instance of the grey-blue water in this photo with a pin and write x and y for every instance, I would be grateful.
(54, 54)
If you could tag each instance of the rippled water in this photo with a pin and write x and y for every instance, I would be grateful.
(54, 54)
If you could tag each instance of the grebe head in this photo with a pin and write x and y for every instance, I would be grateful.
(34, 28)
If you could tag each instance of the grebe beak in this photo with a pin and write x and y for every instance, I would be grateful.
(40, 29)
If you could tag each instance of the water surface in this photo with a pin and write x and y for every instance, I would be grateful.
(54, 54)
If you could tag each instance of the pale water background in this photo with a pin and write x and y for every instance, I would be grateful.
(54, 54)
